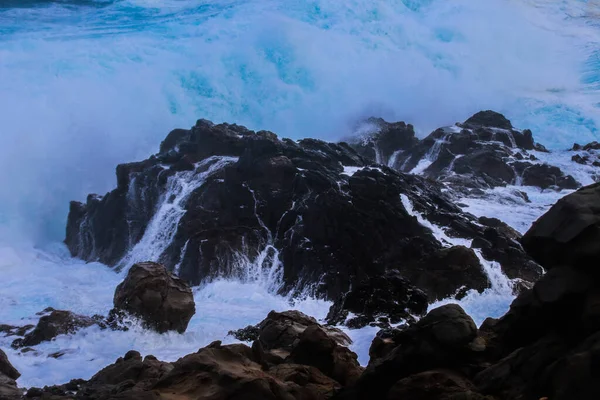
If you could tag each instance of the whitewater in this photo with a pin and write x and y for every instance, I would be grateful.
(88, 84)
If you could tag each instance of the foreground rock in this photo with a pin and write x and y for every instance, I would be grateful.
(311, 366)
(160, 299)
(282, 331)
(569, 234)
(8, 375)
(326, 214)
(544, 347)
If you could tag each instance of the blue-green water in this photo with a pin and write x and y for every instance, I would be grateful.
(85, 84)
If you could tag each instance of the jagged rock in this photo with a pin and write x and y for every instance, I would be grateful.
(8, 375)
(324, 213)
(11, 330)
(487, 164)
(545, 176)
(57, 322)
(226, 372)
(282, 330)
(382, 139)
(592, 146)
(163, 301)
(569, 233)
(380, 300)
(489, 118)
(579, 159)
(6, 367)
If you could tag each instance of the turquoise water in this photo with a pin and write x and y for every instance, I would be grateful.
(87, 84)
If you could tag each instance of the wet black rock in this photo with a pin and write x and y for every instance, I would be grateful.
(52, 324)
(380, 300)
(568, 234)
(326, 213)
(489, 119)
(247, 334)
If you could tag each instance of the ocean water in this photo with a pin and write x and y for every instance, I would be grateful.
(86, 84)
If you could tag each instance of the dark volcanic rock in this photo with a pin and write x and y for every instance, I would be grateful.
(568, 234)
(321, 212)
(57, 322)
(544, 176)
(6, 367)
(444, 338)
(489, 118)
(383, 139)
(443, 273)
(163, 301)
(10, 330)
(247, 334)
(380, 300)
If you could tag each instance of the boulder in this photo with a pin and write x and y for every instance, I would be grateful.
(569, 233)
(545, 176)
(283, 330)
(160, 299)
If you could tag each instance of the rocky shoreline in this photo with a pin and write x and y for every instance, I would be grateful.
(370, 224)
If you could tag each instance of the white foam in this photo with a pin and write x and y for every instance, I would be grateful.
(84, 88)
(493, 302)
(171, 208)
(54, 279)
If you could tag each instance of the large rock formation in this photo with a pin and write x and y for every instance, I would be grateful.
(485, 151)
(545, 347)
(160, 299)
(219, 197)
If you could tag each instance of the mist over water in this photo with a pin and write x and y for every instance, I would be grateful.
(85, 85)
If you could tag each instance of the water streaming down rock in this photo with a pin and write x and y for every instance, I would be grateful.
(294, 215)
(163, 226)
